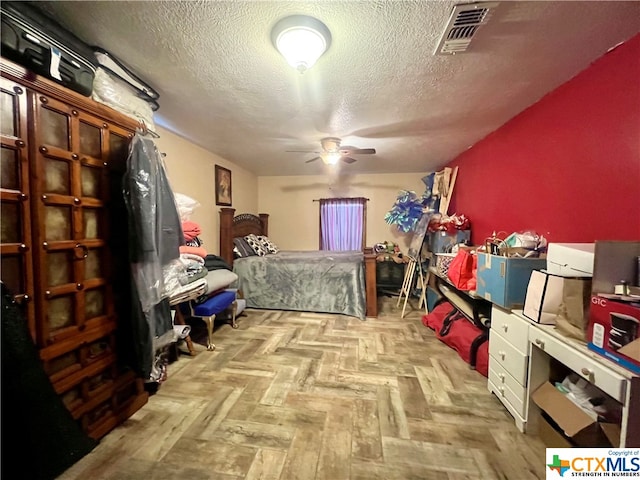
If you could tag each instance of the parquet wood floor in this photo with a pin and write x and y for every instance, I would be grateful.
(302, 396)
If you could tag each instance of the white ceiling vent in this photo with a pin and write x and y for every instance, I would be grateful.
(463, 24)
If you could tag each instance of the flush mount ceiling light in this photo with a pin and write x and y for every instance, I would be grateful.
(301, 40)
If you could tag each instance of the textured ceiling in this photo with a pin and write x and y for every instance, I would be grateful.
(224, 87)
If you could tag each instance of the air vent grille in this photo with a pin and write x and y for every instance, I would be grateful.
(464, 22)
(461, 32)
(475, 16)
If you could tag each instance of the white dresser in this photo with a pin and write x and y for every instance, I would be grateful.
(509, 362)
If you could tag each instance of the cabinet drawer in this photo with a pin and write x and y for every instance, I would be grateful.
(511, 359)
(509, 400)
(512, 328)
(500, 377)
(588, 368)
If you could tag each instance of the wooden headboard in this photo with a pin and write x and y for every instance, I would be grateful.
(239, 226)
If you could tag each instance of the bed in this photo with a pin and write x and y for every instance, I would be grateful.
(311, 281)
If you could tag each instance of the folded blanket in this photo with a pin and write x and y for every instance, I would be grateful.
(194, 275)
(214, 262)
(189, 291)
(191, 230)
(200, 251)
(190, 257)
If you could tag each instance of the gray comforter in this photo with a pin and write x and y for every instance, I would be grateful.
(310, 281)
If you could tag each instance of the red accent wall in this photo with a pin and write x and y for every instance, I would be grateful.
(568, 167)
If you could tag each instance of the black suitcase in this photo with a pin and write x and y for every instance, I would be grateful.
(37, 42)
(118, 70)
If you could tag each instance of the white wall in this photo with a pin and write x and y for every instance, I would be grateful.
(293, 220)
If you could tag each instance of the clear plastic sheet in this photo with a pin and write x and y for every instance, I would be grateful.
(186, 205)
(118, 95)
(154, 228)
(526, 244)
(149, 274)
(175, 276)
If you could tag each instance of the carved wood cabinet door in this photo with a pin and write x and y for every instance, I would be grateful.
(70, 212)
(80, 243)
(15, 236)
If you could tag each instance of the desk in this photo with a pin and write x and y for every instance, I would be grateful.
(520, 353)
(623, 385)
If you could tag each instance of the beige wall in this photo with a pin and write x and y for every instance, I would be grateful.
(293, 220)
(191, 171)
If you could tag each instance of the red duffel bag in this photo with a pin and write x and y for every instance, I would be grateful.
(460, 334)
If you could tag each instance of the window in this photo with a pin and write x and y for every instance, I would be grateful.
(342, 223)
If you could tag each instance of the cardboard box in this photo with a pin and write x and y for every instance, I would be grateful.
(571, 259)
(578, 427)
(543, 298)
(614, 331)
(442, 242)
(504, 280)
(550, 436)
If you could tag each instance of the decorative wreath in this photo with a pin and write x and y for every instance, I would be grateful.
(406, 210)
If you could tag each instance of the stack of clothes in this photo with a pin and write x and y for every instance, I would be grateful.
(192, 254)
(199, 267)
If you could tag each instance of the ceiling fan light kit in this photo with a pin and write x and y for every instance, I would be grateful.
(332, 152)
(330, 158)
(301, 40)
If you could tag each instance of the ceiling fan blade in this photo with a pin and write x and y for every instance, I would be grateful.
(348, 159)
(312, 160)
(301, 151)
(359, 151)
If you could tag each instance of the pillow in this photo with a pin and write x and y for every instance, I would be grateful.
(268, 245)
(221, 278)
(242, 248)
(255, 244)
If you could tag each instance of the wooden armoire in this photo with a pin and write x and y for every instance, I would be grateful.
(64, 242)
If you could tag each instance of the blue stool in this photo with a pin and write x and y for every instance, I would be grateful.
(208, 310)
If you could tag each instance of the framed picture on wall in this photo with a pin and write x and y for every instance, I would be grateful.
(223, 186)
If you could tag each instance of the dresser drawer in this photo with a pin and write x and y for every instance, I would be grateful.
(588, 368)
(512, 328)
(500, 377)
(511, 359)
(509, 399)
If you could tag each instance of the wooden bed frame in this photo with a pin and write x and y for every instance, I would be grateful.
(232, 226)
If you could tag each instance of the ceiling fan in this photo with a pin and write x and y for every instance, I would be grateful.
(332, 152)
